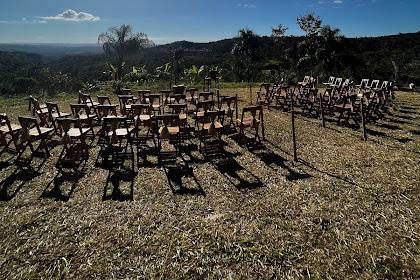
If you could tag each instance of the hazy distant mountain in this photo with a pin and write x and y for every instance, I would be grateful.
(53, 50)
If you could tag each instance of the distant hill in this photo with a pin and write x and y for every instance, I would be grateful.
(369, 57)
(53, 50)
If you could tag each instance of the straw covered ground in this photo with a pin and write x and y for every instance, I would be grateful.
(348, 209)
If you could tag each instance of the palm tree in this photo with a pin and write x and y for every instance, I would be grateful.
(120, 42)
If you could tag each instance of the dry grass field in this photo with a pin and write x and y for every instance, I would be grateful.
(348, 209)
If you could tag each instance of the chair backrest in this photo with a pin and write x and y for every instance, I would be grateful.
(126, 91)
(154, 98)
(79, 109)
(178, 89)
(205, 95)
(206, 105)
(5, 122)
(179, 108)
(115, 123)
(124, 101)
(103, 100)
(212, 117)
(331, 80)
(106, 110)
(306, 79)
(338, 82)
(165, 121)
(364, 83)
(142, 95)
(28, 123)
(64, 126)
(374, 84)
(86, 99)
(384, 85)
(256, 112)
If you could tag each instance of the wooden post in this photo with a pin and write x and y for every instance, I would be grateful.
(262, 122)
(295, 158)
(321, 106)
(362, 109)
(218, 98)
(236, 107)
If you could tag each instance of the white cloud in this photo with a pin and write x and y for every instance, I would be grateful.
(338, 1)
(71, 15)
(245, 5)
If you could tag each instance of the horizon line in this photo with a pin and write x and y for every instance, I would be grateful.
(197, 42)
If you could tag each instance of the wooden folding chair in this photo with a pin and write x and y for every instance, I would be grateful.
(251, 119)
(309, 103)
(9, 130)
(181, 109)
(168, 131)
(85, 98)
(210, 127)
(119, 131)
(125, 104)
(143, 119)
(229, 104)
(191, 97)
(155, 101)
(73, 138)
(54, 113)
(263, 95)
(86, 118)
(201, 108)
(35, 107)
(32, 132)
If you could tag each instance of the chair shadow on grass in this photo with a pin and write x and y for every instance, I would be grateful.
(275, 161)
(54, 188)
(114, 184)
(177, 174)
(19, 176)
(384, 135)
(228, 166)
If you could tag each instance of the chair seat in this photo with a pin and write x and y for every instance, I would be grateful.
(206, 126)
(93, 104)
(42, 111)
(173, 130)
(143, 117)
(61, 115)
(44, 130)
(199, 114)
(75, 132)
(85, 117)
(247, 121)
(121, 132)
(14, 127)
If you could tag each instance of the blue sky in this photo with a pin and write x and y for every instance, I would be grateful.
(50, 21)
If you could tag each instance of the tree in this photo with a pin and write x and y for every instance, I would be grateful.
(177, 60)
(120, 42)
(277, 33)
(246, 51)
(318, 51)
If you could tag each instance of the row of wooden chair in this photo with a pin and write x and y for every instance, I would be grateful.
(137, 122)
(340, 98)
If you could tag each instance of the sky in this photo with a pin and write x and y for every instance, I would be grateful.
(80, 21)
